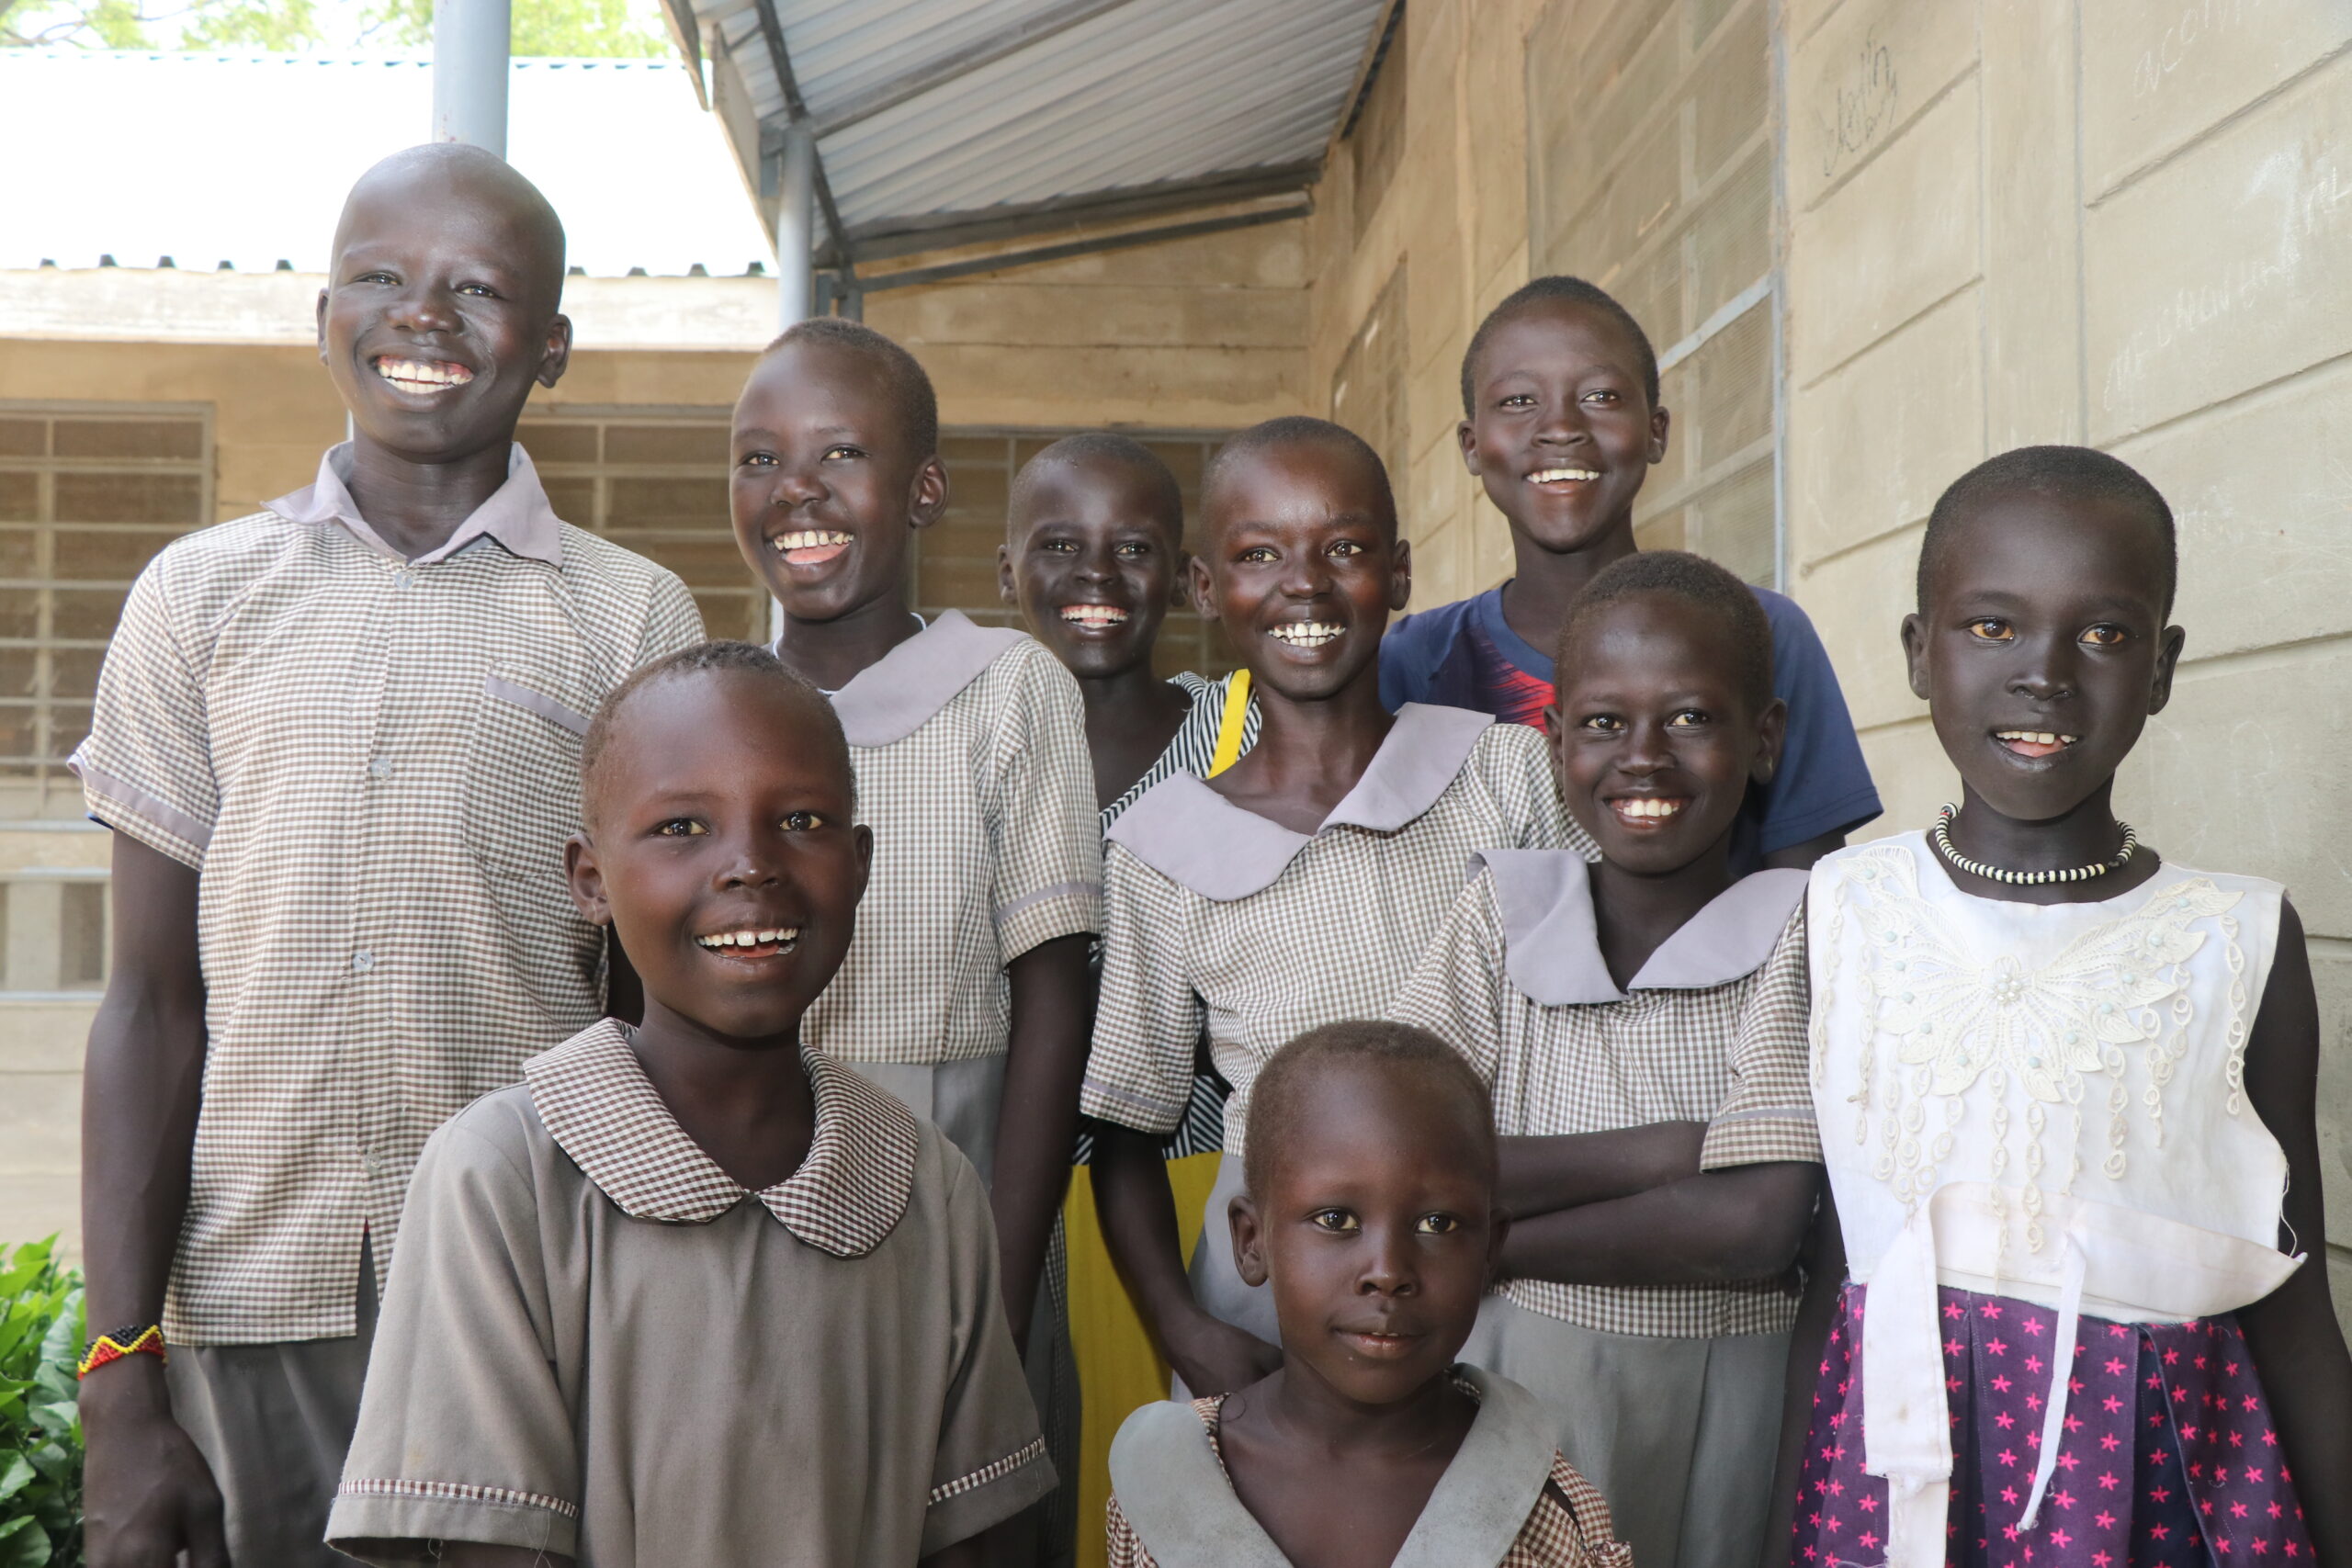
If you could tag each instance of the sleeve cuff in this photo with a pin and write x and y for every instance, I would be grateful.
(1141, 1114)
(1759, 1137)
(962, 1509)
(1032, 919)
(146, 817)
(397, 1521)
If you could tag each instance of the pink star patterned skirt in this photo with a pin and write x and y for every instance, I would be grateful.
(2169, 1459)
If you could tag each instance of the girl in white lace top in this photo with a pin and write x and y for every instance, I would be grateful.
(2065, 1093)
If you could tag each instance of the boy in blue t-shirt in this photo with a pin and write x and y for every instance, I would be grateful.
(1562, 423)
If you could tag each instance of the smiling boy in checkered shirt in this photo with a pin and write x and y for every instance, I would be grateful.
(695, 1293)
(338, 742)
(1641, 1024)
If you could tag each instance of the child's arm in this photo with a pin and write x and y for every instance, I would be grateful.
(1743, 1223)
(1540, 1175)
(1138, 1217)
(1825, 1277)
(1037, 1125)
(2292, 1333)
(148, 1493)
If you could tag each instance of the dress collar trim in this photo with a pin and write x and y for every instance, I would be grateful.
(1553, 945)
(1191, 834)
(846, 1198)
(900, 692)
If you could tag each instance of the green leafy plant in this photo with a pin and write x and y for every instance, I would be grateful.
(41, 1428)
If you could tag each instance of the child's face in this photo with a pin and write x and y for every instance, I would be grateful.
(1380, 1232)
(1093, 564)
(440, 312)
(827, 490)
(2047, 618)
(1562, 433)
(716, 818)
(1301, 565)
(1655, 741)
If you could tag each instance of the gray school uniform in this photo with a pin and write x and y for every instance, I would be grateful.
(1218, 919)
(1508, 1500)
(1668, 1398)
(969, 746)
(595, 1343)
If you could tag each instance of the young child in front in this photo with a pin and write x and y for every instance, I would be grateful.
(694, 1291)
(1094, 557)
(1640, 1022)
(1372, 1216)
(2072, 1310)
(1561, 422)
(1295, 887)
(965, 992)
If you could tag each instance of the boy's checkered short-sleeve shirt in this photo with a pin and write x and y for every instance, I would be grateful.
(1215, 918)
(969, 744)
(1711, 1030)
(373, 764)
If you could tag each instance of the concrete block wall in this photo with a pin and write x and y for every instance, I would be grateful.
(2014, 222)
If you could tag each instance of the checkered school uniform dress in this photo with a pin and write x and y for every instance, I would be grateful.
(1566, 1525)
(632, 1359)
(969, 744)
(1218, 919)
(1194, 752)
(374, 763)
(1711, 1030)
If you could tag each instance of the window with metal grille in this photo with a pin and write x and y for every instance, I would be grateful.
(655, 479)
(89, 492)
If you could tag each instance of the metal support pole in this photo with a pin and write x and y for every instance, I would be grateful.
(795, 224)
(471, 40)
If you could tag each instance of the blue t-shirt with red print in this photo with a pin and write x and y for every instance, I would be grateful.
(1465, 655)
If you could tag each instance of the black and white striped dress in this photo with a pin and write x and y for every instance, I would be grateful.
(1190, 752)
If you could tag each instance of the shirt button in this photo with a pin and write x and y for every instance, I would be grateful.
(381, 768)
(402, 578)
(373, 1162)
(362, 961)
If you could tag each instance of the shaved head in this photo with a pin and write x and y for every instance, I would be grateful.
(449, 181)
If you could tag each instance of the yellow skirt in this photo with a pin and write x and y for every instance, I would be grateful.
(1118, 1370)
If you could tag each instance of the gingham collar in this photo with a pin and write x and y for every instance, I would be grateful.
(1188, 832)
(601, 1110)
(517, 513)
(1553, 946)
(898, 694)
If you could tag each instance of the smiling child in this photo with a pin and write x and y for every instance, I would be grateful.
(1371, 1216)
(1299, 885)
(1561, 422)
(2062, 1085)
(965, 992)
(340, 739)
(1640, 1022)
(695, 1293)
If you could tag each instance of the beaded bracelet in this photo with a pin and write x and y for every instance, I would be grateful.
(132, 1339)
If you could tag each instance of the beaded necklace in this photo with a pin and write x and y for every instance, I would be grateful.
(1942, 837)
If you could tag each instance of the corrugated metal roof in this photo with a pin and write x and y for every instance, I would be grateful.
(246, 159)
(1135, 93)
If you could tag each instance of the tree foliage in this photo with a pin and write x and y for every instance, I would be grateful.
(574, 29)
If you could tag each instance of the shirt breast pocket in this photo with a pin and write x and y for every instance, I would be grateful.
(522, 803)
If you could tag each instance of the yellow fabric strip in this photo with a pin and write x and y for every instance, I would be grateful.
(1229, 728)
